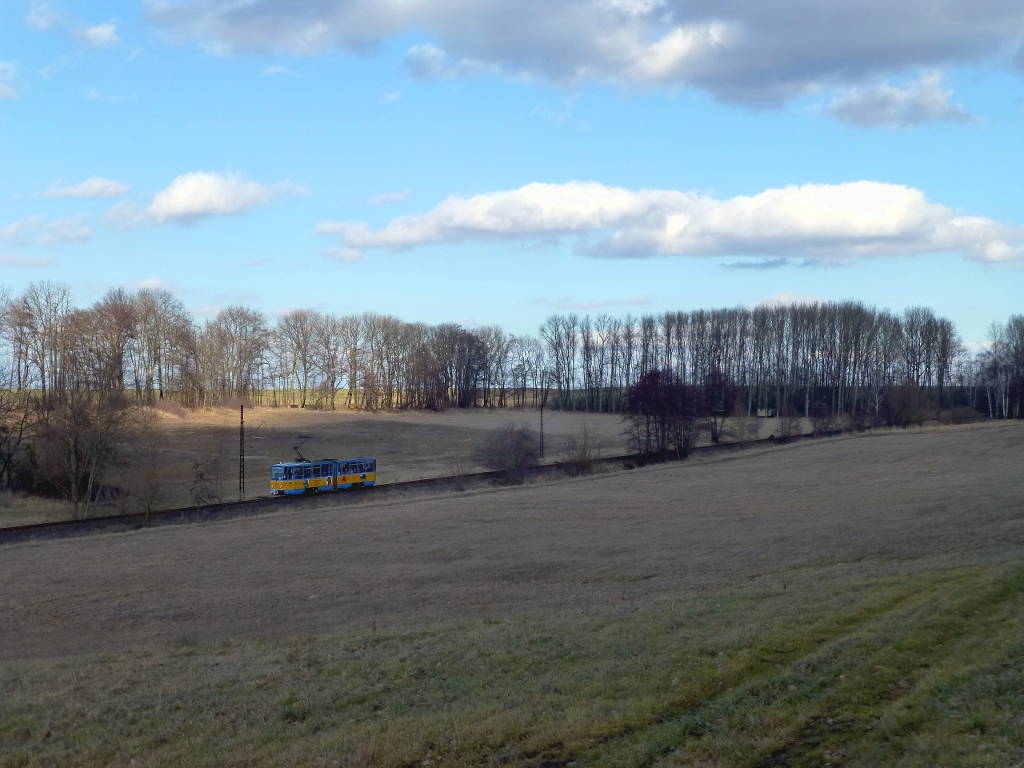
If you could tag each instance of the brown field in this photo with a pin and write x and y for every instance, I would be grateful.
(855, 601)
(409, 445)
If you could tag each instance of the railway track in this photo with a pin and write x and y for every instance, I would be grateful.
(262, 504)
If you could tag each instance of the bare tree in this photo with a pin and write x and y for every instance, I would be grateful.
(81, 425)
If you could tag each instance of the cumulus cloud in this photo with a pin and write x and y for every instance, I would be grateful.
(194, 196)
(746, 51)
(819, 223)
(100, 35)
(7, 80)
(36, 230)
(894, 107)
(96, 186)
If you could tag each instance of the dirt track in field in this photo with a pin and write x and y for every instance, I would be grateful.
(873, 504)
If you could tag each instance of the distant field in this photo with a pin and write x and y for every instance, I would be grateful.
(850, 602)
(408, 444)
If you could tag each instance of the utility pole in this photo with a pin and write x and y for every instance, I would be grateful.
(241, 453)
(542, 429)
(545, 387)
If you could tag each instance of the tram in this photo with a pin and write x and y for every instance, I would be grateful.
(324, 476)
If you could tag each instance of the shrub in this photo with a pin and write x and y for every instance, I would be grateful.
(510, 450)
(961, 415)
(579, 453)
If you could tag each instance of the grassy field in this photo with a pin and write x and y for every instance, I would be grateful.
(854, 602)
(408, 444)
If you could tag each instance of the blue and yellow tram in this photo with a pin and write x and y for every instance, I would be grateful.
(322, 476)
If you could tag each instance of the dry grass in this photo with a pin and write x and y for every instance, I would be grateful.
(409, 445)
(856, 602)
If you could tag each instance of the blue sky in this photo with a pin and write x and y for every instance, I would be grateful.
(494, 162)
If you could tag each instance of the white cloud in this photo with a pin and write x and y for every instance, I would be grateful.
(789, 300)
(819, 223)
(390, 97)
(748, 51)
(18, 260)
(36, 230)
(43, 16)
(100, 35)
(199, 195)
(894, 107)
(96, 186)
(7, 81)
(389, 198)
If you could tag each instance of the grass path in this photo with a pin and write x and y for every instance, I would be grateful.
(917, 670)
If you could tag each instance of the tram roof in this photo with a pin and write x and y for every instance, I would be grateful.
(320, 461)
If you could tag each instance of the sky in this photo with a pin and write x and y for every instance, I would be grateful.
(495, 162)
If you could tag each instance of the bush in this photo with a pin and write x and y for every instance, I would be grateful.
(961, 415)
(822, 420)
(579, 453)
(511, 450)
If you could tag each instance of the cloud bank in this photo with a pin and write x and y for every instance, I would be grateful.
(820, 223)
(747, 51)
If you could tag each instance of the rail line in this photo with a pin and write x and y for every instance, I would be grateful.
(262, 504)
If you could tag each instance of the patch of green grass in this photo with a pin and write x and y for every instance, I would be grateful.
(915, 671)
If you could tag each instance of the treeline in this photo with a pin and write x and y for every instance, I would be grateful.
(848, 359)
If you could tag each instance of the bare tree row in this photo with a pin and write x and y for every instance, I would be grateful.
(845, 358)
(842, 357)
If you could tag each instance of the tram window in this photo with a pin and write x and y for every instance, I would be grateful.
(287, 473)
(344, 469)
(373, 465)
(326, 470)
(307, 471)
